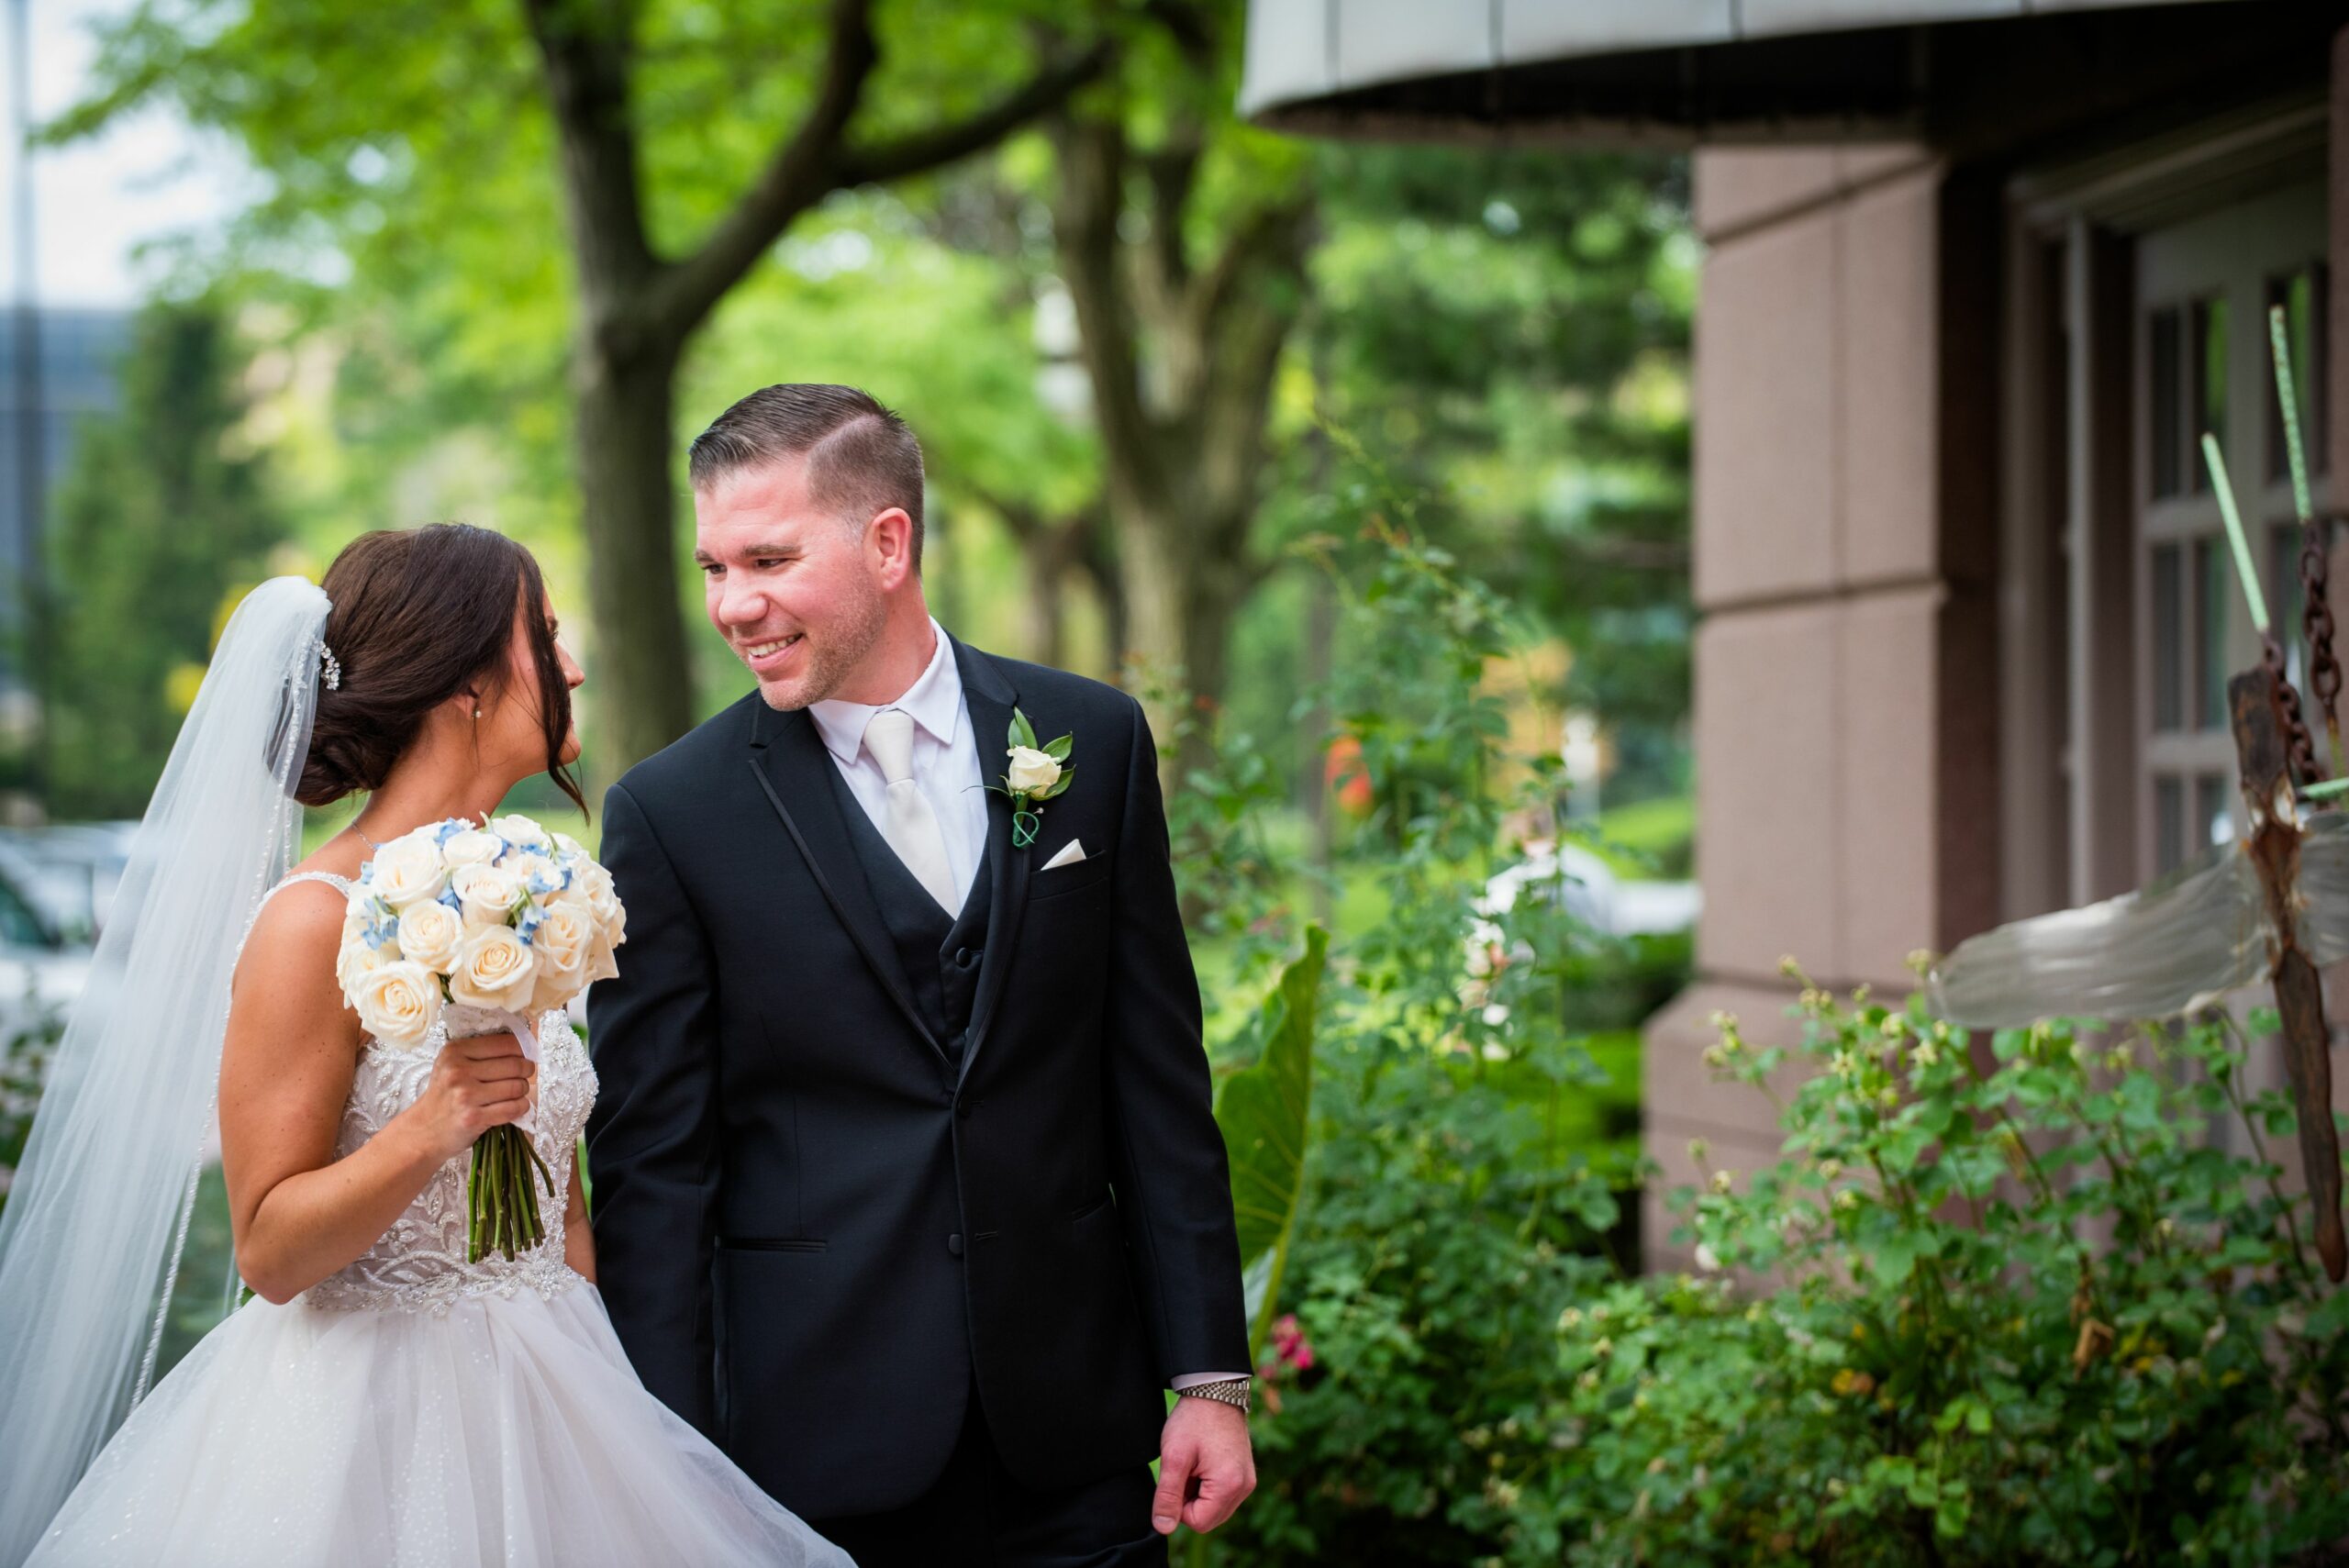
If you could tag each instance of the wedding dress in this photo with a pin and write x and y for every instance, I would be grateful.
(416, 1409)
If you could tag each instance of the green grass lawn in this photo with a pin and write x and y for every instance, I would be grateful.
(1650, 839)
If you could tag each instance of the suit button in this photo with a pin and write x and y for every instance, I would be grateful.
(962, 1108)
(965, 957)
(954, 1243)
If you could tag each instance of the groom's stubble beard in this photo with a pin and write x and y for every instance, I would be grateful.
(837, 654)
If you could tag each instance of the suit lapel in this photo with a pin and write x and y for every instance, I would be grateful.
(797, 773)
(988, 701)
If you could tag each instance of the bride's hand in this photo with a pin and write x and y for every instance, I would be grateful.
(477, 1083)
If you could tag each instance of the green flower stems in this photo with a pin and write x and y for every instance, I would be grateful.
(2244, 572)
(501, 1196)
(2287, 402)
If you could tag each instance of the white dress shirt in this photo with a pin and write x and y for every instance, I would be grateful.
(946, 765)
(946, 768)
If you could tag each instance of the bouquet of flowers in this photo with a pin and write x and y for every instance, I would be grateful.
(480, 928)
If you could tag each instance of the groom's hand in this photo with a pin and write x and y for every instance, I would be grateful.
(1206, 1467)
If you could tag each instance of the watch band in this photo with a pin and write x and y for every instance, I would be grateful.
(1231, 1391)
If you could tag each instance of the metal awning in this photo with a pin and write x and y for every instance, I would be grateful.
(1671, 70)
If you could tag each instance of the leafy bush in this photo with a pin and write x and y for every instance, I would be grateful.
(2035, 1297)
(1459, 1187)
(24, 1067)
(2037, 1309)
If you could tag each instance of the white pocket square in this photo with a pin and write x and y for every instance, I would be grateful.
(1069, 855)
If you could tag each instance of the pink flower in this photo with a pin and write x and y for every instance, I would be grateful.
(1290, 1347)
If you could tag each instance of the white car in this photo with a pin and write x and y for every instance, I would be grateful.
(1589, 890)
(42, 972)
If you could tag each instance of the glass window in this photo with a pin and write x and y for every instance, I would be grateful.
(2214, 821)
(20, 926)
(2162, 406)
(2169, 640)
(2304, 296)
(2283, 596)
(2169, 822)
(2207, 392)
(2212, 585)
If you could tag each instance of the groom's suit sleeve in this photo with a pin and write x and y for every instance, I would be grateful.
(1166, 1156)
(652, 1138)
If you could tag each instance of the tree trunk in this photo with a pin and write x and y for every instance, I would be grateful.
(628, 504)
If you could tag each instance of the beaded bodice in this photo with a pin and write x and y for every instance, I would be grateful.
(418, 1265)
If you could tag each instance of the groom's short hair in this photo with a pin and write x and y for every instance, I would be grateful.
(862, 458)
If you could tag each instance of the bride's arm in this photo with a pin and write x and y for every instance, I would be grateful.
(578, 1241)
(298, 1213)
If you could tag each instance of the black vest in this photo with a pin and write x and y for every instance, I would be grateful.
(939, 952)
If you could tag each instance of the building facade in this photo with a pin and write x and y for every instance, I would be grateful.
(1978, 275)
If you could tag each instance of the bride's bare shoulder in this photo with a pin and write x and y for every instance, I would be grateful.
(298, 931)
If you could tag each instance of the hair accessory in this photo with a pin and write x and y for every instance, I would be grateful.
(332, 666)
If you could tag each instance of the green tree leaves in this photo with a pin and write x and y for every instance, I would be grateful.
(1265, 1111)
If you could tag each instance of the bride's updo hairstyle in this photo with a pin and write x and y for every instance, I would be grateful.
(419, 614)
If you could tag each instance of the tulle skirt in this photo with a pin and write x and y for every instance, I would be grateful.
(510, 1430)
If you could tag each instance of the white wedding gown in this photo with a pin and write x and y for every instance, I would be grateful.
(419, 1410)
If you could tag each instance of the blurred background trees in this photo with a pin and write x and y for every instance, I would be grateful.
(165, 517)
(1133, 333)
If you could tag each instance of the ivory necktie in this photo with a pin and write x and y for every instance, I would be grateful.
(906, 820)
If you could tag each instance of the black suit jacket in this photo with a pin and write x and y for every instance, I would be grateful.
(813, 1234)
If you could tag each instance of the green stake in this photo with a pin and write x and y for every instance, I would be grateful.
(2326, 789)
(2244, 571)
(2290, 404)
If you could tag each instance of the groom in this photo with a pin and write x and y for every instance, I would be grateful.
(906, 1187)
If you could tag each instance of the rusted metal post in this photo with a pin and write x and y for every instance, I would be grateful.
(2265, 756)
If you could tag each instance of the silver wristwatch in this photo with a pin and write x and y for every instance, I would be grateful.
(1231, 1391)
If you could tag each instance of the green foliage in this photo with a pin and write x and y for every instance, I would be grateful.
(1265, 1113)
(1456, 1187)
(2045, 1302)
(164, 516)
(25, 1056)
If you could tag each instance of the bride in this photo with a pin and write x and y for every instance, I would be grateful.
(380, 1400)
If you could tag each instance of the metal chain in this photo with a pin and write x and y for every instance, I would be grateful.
(2306, 768)
(2316, 620)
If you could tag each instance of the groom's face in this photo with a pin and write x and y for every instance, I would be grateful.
(797, 591)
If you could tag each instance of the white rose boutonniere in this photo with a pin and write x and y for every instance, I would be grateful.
(1037, 774)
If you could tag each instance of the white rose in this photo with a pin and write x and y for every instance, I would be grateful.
(569, 848)
(562, 943)
(602, 964)
(493, 970)
(397, 1002)
(604, 899)
(356, 959)
(409, 871)
(429, 934)
(1031, 770)
(473, 847)
(487, 893)
(521, 832)
(535, 871)
(363, 919)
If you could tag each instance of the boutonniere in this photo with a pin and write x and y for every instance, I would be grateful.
(1037, 774)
